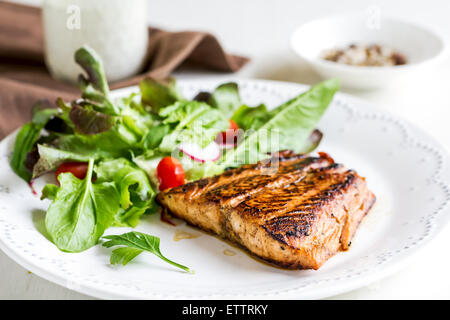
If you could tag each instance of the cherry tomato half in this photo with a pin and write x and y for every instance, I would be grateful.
(233, 125)
(78, 169)
(231, 135)
(170, 173)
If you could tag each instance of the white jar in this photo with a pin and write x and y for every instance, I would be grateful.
(116, 29)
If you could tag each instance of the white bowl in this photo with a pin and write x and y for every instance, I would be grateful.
(421, 46)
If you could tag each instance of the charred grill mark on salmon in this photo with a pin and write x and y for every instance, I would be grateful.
(295, 225)
(230, 177)
(296, 217)
(235, 191)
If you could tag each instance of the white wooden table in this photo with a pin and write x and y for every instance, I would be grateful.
(261, 30)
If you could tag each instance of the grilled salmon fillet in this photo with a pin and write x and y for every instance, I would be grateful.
(296, 213)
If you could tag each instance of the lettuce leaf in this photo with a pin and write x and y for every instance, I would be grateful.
(136, 193)
(159, 93)
(95, 87)
(288, 126)
(50, 158)
(190, 121)
(88, 59)
(117, 142)
(88, 121)
(226, 98)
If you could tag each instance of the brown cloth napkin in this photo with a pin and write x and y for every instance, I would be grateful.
(24, 78)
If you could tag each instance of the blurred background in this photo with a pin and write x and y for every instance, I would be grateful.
(262, 30)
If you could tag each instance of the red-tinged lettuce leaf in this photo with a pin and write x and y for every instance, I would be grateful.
(202, 96)
(312, 142)
(89, 121)
(94, 88)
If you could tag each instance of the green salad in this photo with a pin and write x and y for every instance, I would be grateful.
(112, 155)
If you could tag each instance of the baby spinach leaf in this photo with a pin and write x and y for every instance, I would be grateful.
(135, 243)
(81, 211)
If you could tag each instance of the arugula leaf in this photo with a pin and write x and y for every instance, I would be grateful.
(136, 193)
(124, 255)
(135, 243)
(159, 93)
(81, 211)
(288, 128)
(226, 98)
(26, 140)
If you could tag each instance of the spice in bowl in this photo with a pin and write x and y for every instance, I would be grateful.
(373, 55)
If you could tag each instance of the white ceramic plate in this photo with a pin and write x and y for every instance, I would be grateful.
(407, 170)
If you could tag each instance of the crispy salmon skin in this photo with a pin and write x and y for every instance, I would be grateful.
(296, 214)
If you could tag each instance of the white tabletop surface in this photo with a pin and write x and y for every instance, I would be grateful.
(261, 30)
